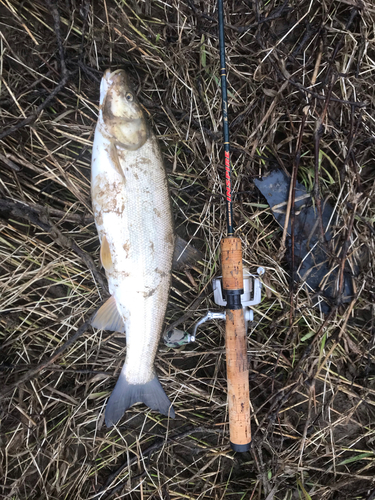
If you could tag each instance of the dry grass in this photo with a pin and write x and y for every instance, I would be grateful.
(312, 378)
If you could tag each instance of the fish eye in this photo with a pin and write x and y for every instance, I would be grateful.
(129, 96)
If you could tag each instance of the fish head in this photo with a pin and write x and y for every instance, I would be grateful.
(121, 112)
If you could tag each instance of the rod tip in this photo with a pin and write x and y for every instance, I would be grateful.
(240, 448)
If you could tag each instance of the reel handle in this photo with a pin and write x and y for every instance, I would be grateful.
(236, 346)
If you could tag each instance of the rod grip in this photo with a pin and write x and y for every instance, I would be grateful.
(231, 263)
(238, 380)
(236, 347)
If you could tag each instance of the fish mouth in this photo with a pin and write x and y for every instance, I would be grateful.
(110, 79)
(109, 75)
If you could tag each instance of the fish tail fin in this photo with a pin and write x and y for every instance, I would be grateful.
(125, 395)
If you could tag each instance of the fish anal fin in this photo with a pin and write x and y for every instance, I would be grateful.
(105, 254)
(108, 317)
(125, 395)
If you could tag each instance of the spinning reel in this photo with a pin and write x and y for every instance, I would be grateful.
(252, 287)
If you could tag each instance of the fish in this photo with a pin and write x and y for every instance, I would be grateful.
(133, 217)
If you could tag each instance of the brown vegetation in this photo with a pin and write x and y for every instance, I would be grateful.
(301, 89)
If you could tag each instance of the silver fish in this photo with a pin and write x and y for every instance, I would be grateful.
(131, 205)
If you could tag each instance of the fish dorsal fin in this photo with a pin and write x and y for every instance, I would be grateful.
(105, 254)
(108, 317)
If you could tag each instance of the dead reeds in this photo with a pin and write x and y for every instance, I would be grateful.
(312, 376)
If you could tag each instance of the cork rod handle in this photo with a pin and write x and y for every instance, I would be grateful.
(236, 346)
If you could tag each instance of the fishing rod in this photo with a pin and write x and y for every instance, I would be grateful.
(236, 290)
(232, 281)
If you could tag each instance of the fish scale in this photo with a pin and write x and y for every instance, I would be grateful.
(133, 216)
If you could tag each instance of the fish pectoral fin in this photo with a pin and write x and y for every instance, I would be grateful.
(115, 158)
(108, 317)
(125, 395)
(105, 254)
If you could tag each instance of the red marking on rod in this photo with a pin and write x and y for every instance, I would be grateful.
(227, 177)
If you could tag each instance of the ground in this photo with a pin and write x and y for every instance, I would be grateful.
(301, 98)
